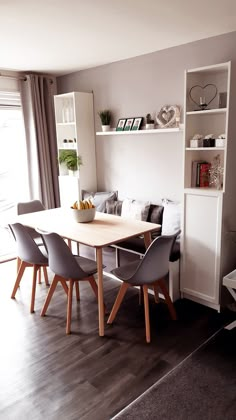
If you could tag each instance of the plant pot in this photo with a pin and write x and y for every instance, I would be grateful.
(74, 173)
(63, 170)
(150, 126)
(106, 127)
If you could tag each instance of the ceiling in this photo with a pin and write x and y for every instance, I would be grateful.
(59, 37)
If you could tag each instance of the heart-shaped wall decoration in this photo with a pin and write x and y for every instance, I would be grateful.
(168, 116)
(202, 96)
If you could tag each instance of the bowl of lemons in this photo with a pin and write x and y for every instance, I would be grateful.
(83, 211)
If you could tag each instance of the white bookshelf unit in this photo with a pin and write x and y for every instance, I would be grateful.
(75, 123)
(208, 213)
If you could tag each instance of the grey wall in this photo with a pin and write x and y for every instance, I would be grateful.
(150, 166)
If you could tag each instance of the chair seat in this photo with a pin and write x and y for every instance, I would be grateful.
(87, 265)
(126, 272)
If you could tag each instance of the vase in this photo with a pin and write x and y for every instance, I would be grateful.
(150, 127)
(74, 173)
(63, 169)
(106, 127)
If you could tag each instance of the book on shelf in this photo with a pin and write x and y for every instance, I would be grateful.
(200, 173)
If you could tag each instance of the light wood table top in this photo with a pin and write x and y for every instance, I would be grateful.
(104, 230)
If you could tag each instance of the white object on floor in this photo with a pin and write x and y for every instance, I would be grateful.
(229, 281)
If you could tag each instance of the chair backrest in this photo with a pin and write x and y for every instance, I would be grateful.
(27, 249)
(60, 258)
(29, 207)
(155, 263)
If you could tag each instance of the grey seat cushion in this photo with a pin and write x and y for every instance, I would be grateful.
(87, 265)
(124, 273)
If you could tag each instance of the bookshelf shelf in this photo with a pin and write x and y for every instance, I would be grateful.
(208, 111)
(196, 149)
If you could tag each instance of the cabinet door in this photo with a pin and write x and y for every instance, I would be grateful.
(201, 247)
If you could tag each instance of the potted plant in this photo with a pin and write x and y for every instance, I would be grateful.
(70, 160)
(149, 122)
(105, 117)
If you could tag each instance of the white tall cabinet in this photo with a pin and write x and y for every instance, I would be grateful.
(208, 252)
(75, 130)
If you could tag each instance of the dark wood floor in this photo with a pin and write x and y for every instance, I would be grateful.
(45, 374)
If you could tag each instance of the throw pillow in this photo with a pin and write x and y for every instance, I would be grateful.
(135, 209)
(99, 198)
(155, 214)
(171, 217)
(114, 207)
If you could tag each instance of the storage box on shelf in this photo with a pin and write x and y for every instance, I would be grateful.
(75, 131)
(207, 255)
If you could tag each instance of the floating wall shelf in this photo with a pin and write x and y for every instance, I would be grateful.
(113, 132)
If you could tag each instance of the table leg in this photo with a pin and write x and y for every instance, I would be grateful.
(100, 291)
(147, 239)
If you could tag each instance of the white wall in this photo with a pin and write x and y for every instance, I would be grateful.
(144, 167)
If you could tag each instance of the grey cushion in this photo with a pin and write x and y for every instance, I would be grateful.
(113, 207)
(99, 198)
(155, 214)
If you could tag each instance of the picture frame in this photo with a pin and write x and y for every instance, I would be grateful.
(121, 124)
(137, 123)
(128, 124)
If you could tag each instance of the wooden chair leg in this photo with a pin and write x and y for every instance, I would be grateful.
(39, 276)
(156, 294)
(168, 300)
(77, 291)
(18, 263)
(146, 310)
(140, 296)
(69, 306)
(45, 273)
(49, 295)
(36, 269)
(119, 298)
(94, 286)
(21, 270)
(64, 284)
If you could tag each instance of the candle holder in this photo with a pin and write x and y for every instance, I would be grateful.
(198, 94)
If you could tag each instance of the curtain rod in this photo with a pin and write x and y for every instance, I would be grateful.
(20, 77)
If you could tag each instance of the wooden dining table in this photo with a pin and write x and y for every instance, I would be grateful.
(104, 230)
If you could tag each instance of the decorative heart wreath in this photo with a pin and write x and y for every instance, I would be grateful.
(168, 116)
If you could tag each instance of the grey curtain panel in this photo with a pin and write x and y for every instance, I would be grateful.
(38, 111)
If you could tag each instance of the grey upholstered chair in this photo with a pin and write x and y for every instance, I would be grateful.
(32, 207)
(67, 268)
(150, 271)
(30, 255)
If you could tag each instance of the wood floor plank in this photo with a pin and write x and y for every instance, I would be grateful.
(46, 374)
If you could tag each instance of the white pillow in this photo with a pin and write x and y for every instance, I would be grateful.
(171, 217)
(135, 209)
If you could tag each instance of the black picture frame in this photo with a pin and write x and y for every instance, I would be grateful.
(121, 124)
(128, 124)
(137, 123)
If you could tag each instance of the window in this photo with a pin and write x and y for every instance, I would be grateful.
(13, 162)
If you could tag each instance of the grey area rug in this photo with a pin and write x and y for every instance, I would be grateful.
(202, 387)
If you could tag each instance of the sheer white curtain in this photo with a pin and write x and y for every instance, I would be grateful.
(37, 103)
